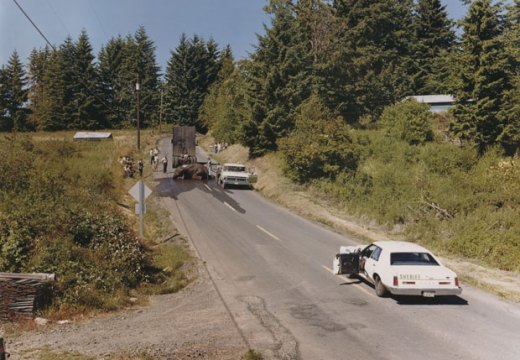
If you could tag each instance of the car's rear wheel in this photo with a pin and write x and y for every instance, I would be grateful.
(379, 287)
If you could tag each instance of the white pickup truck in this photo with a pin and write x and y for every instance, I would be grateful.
(235, 175)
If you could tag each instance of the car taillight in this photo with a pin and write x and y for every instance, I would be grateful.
(456, 281)
(395, 281)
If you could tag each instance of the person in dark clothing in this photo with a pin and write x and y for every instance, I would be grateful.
(140, 167)
(165, 164)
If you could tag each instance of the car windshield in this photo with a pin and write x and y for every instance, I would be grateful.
(235, 168)
(412, 258)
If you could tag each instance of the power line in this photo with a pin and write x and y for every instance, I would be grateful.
(36, 27)
(54, 48)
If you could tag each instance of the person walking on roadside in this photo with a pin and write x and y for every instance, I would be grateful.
(165, 164)
(152, 153)
(140, 167)
(155, 161)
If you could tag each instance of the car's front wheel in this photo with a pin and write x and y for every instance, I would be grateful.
(379, 287)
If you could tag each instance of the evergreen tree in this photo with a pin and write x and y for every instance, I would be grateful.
(14, 93)
(190, 72)
(140, 63)
(373, 65)
(53, 115)
(510, 114)
(225, 64)
(3, 99)
(86, 97)
(435, 38)
(483, 78)
(280, 79)
(111, 82)
(225, 108)
(69, 84)
(38, 62)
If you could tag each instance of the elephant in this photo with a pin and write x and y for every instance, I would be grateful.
(192, 171)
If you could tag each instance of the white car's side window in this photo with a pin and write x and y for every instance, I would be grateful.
(376, 253)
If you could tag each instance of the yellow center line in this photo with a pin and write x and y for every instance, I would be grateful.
(343, 277)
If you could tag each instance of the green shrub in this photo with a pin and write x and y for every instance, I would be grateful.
(320, 145)
(62, 219)
(408, 121)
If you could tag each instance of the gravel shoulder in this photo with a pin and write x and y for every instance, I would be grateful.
(191, 324)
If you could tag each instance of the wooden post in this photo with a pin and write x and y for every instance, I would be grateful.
(161, 112)
(137, 88)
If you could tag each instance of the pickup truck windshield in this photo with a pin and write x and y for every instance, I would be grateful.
(235, 168)
(412, 258)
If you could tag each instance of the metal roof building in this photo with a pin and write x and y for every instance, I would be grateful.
(82, 135)
(438, 103)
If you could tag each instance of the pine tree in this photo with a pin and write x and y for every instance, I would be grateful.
(280, 79)
(373, 65)
(14, 94)
(140, 63)
(483, 78)
(53, 115)
(435, 39)
(3, 99)
(190, 72)
(510, 114)
(86, 96)
(111, 82)
(38, 62)
(225, 64)
(69, 84)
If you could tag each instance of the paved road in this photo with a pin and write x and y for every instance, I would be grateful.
(272, 269)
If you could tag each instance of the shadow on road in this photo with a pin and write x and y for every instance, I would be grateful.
(353, 281)
(438, 300)
(167, 187)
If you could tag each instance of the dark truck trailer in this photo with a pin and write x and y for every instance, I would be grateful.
(183, 146)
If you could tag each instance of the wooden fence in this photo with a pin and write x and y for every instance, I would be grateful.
(18, 293)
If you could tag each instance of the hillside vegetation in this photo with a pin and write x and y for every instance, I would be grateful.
(434, 192)
(59, 214)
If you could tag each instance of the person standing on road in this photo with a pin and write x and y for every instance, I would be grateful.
(165, 164)
(152, 153)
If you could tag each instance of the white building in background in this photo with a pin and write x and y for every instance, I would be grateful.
(438, 103)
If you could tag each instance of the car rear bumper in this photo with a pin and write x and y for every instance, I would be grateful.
(425, 291)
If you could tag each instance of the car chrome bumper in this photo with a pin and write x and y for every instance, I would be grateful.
(422, 292)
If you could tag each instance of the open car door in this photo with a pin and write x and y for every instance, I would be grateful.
(346, 263)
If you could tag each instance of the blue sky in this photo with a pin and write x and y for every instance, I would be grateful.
(233, 22)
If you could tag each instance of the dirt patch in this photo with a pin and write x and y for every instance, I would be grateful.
(192, 324)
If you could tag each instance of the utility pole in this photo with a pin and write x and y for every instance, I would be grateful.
(160, 113)
(137, 88)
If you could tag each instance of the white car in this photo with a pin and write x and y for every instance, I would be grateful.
(398, 267)
(235, 175)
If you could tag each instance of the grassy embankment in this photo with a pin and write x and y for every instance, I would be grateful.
(65, 209)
